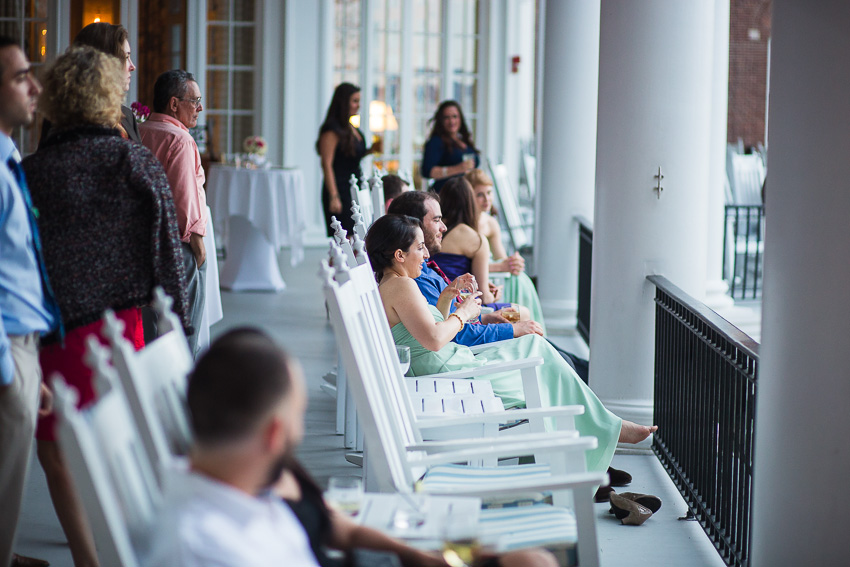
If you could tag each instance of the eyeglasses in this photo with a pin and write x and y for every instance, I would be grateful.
(195, 101)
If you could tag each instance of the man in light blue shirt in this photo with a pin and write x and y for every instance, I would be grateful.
(27, 309)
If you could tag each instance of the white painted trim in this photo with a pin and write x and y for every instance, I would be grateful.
(406, 122)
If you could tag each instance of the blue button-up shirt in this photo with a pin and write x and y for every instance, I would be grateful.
(23, 307)
(431, 284)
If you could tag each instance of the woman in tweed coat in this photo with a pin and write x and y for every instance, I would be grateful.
(109, 236)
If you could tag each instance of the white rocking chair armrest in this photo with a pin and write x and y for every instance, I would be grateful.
(432, 421)
(471, 443)
(556, 482)
(508, 366)
(478, 348)
(498, 448)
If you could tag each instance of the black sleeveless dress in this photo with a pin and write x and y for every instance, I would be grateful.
(343, 166)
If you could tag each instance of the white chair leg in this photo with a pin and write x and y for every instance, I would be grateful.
(358, 439)
(341, 397)
(350, 435)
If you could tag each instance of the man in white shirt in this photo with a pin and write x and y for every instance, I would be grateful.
(247, 400)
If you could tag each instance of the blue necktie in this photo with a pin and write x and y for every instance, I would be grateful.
(32, 215)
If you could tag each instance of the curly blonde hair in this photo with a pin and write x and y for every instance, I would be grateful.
(477, 177)
(83, 86)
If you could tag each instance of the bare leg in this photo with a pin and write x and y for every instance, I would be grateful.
(631, 432)
(67, 503)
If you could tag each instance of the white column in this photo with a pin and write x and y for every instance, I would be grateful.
(715, 295)
(566, 150)
(654, 111)
(802, 419)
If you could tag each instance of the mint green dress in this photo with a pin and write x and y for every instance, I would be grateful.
(520, 289)
(559, 382)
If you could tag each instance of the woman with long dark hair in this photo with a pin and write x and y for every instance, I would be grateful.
(340, 146)
(449, 150)
(466, 247)
(396, 248)
(112, 39)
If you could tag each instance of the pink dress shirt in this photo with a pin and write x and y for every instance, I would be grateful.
(174, 147)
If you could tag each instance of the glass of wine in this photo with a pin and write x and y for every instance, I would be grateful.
(460, 541)
(403, 353)
(511, 314)
(345, 493)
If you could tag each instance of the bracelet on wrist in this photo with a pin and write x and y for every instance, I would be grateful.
(445, 171)
(458, 318)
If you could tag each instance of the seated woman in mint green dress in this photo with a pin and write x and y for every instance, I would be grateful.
(466, 250)
(396, 248)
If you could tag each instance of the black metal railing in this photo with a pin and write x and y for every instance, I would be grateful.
(585, 259)
(743, 250)
(705, 400)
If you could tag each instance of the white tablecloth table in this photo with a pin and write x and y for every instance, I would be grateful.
(258, 211)
(213, 312)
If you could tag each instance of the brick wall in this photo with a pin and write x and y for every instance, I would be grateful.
(748, 34)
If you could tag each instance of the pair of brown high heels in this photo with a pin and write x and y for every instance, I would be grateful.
(632, 508)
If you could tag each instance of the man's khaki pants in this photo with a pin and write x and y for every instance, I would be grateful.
(18, 411)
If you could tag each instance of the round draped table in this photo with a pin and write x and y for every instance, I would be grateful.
(259, 211)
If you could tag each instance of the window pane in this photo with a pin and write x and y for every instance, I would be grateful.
(218, 130)
(380, 14)
(347, 13)
(243, 11)
(427, 16)
(243, 45)
(465, 15)
(393, 42)
(464, 92)
(243, 126)
(426, 91)
(218, 10)
(216, 95)
(217, 45)
(10, 29)
(394, 9)
(465, 56)
(435, 54)
(243, 90)
(35, 8)
(352, 50)
(36, 42)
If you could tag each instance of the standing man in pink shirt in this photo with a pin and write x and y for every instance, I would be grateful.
(176, 105)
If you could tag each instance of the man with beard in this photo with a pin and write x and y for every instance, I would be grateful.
(247, 400)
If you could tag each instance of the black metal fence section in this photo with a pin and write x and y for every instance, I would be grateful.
(585, 258)
(743, 250)
(705, 400)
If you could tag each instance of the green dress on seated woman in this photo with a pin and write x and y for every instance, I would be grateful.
(560, 384)
(520, 289)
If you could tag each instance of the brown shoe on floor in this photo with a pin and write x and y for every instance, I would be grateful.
(618, 477)
(24, 561)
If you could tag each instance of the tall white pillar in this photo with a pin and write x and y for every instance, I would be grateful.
(802, 455)
(715, 294)
(566, 151)
(655, 104)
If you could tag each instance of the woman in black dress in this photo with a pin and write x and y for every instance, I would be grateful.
(341, 147)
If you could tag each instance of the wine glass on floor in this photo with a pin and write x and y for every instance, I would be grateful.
(403, 353)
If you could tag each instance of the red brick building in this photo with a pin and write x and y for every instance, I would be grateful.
(749, 34)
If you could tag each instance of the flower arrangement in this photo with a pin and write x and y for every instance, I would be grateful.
(140, 111)
(255, 145)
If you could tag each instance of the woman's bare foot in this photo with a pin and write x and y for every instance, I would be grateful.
(631, 432)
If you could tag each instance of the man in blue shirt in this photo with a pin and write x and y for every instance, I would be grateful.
(26, 308)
